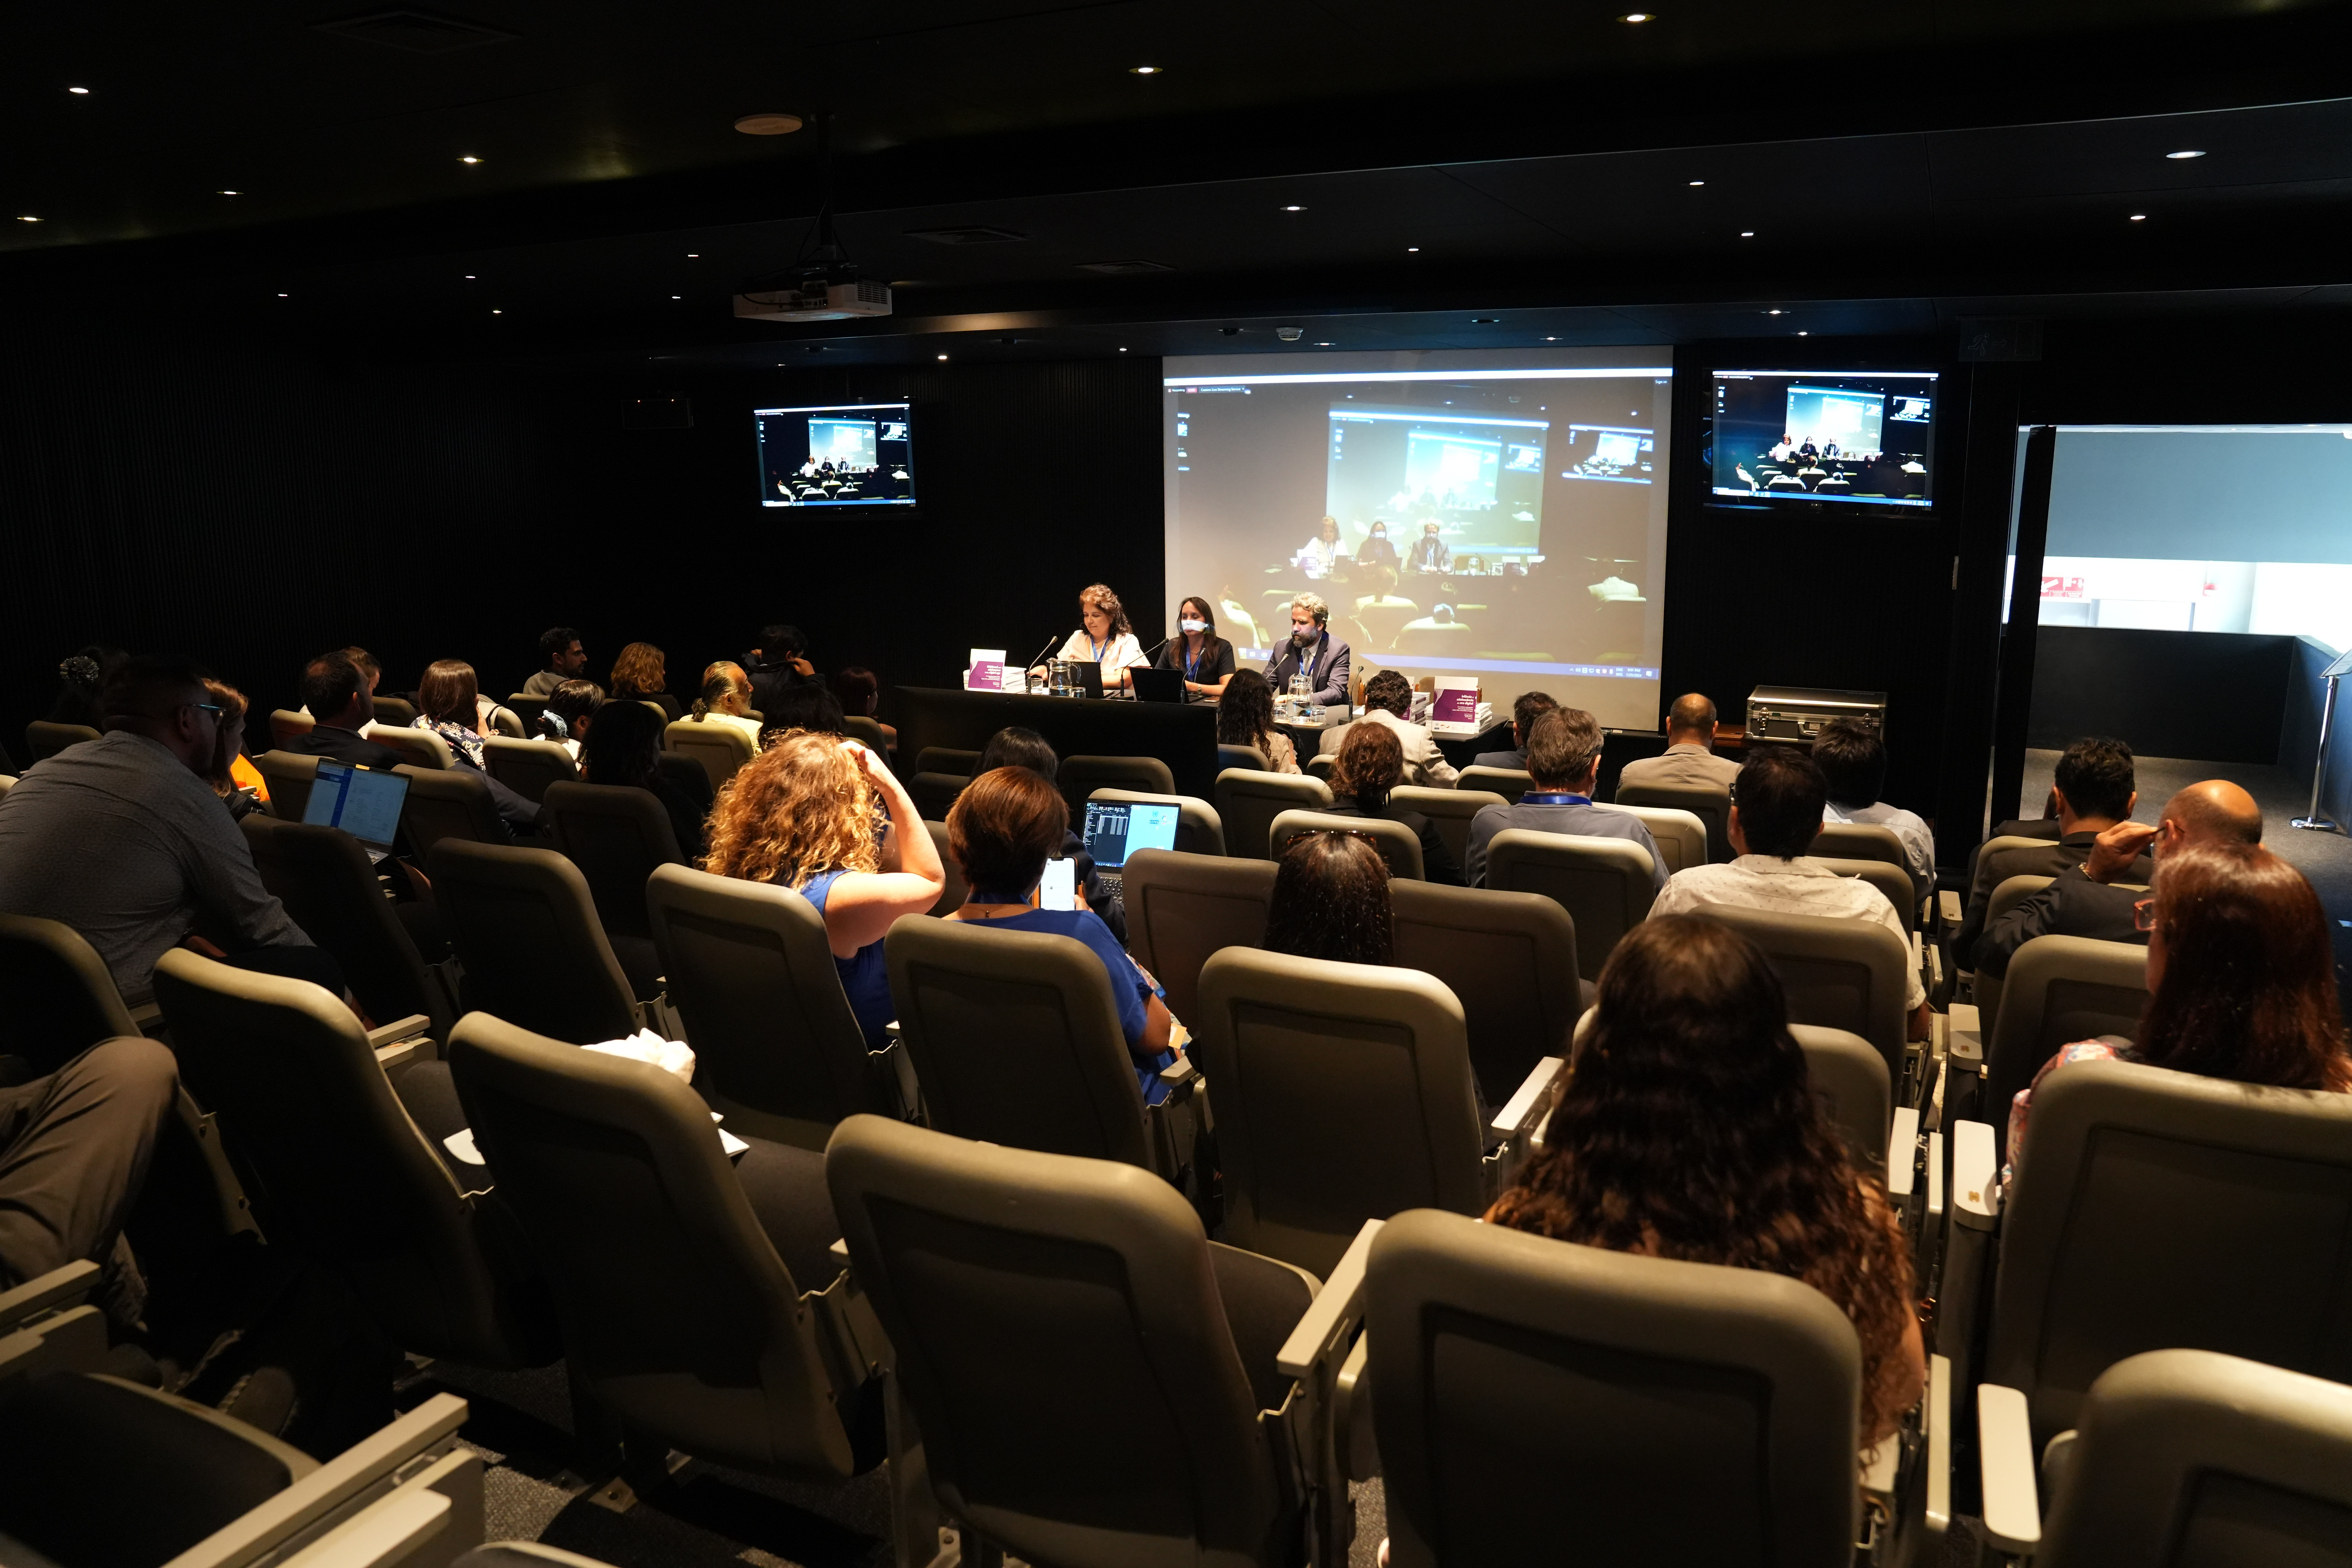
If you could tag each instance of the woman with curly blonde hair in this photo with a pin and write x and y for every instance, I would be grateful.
(1688, 1130)
(642, 671)
(826, 818)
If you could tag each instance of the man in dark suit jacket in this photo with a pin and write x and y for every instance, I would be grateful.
(1312, 649)
(2090, 793)
(1530, 707)
(2090, 899)
(336, 693)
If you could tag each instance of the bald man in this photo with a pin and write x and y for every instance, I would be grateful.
(2088, 900)
(1689, 757)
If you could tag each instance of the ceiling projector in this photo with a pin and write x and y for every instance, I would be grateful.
(815, 299)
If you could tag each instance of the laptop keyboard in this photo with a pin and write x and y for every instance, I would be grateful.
(1113, 882)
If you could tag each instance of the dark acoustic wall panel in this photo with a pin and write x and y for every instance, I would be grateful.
(2216, 696)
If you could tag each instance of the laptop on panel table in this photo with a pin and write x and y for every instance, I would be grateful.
(1117, 828)
(363, 802)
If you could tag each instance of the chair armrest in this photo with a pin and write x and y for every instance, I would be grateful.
(1351, 1415)
(1939, 1509)
(1903, 1156)
(63, 1286)
(1934, 1176)
(1178, 1072)
(1967, 1038)
(392, 1528)
(1331, 1318)
(1519, 1112)
(1976, 1197)
(149, 1016)
(399, 1031)
(2012, 1504)
(1947, 907)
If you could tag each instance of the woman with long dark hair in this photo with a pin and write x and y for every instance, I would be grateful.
(1687, 1129)
(1206, 659)
(1371, 763)
(1331, 902)
(2240, 979)
(1246, 717)
(624, 747)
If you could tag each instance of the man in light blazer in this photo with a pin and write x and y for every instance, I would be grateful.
(1388, 699)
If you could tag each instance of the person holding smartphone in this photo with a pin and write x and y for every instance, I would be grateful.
(1002, 831)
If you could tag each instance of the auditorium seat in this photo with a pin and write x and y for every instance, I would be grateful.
(1246, 757)
(951, 897)
(1839, 973)
(45, 739)
(285, 727)
(421, 749)
(1016, 1040)
(1539, 1401)
(2059, 989)
(617, 835)
(1987, 988)
(752, 978)
(1248, 803)
(1850, 1079)
(61, 998)
(528, 709)
(289, 776)
(681, 1314)
(946, 760)
(448, 804)
(524, 926)
(1893, 882)
(1199, 830)
(1095, 1383)
(1872, 841)
(1680, 835)
(1321, 765)
(1711, 804)
(398, 713)
(1345, 1095)
(1399, 846)
(869, 733)
(1450, 809)
(2150, 1210)
(527, 767)
(1080, 776)
(719, 748)
(339, 1170)
(324, 877)
(1508, 958)
(934, 795)
(689, 776)
(1606, 885)
(1182, 908)
(1508, 783)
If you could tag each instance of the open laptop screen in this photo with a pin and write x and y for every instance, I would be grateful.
(1117, 828)
(363, 802)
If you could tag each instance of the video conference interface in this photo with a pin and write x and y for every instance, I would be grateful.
(850, 455)
(1498, 513)
(1800, 435)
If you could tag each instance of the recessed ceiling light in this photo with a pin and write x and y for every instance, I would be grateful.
(1551, 340)
(693, 256)
(2139, 218)
(497, 312)
(281, 295)
(1776, 311)
(1748, 234)
(78, 92)
(1122, 349)
(230, 192)
(769, 124)
(1294, 209)
(467, 158)
(678, 295)
(1804, 334)
(27, 217)
(469, 278)
(1696, 183)
(943, 356)
(1483, 321)
(1143, 71)
(1635, 17)
(2186, 153)
(1412, 249)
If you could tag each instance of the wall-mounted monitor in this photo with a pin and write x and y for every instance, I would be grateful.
(854, 454)
(1799, 438)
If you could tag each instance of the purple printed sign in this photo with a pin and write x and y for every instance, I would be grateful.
(987, 676)
(1456, 705)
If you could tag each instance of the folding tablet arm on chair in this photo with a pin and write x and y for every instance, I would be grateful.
(1329, 1408)
(1517, 1122)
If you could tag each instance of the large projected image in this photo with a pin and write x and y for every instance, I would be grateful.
(1784, 435)
(2238, 528)
(1501, 514)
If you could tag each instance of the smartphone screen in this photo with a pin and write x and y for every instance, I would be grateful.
(1060, 887)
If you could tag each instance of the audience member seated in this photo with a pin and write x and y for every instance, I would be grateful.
(2087, 901)
(827, 818)
(1563, 759)
(778, 663)
(641, 674)
(1689, 757)
(1017, 746)
(340, 698)
(860, 692)
(1388, 702)
(1689, 1130)
(1852, 760)
(74, 1151)
(1001, 830)
(233, 776)
(803, 706)
(624, 747)
(726, 700)
(560, 658)
(80, 677)
(123, 840)
(449, 704)
(1776, 814)
(2091, 792)
(2240, 980)
(1382, 613)
(1246, 717)
(1370, 765)
(570, 708)
(1531, 706)
(1331, 902)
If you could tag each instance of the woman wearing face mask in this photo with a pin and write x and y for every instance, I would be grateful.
(1206, 659)
(1104, 638)
(1376, 550)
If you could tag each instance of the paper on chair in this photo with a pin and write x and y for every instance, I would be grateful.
(460, 1145)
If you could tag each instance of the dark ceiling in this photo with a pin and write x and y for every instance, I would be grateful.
(1865, 167)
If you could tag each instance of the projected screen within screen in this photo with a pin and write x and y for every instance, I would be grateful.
(859, 455)
(1786, 436)
(1502, 514)
(2237, 528)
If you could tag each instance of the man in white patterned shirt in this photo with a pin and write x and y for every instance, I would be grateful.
(1775, 812)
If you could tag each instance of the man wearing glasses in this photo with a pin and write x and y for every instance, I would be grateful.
(122, 839)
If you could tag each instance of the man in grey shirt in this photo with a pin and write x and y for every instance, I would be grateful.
(1689, 757)
(122, 839)
(1563, 756)
(561, 658)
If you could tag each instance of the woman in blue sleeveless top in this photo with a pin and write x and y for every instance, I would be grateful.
(1001, 830)
(826, 817)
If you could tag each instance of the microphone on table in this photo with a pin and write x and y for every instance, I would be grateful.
(1155, 648)
(1031, 664)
